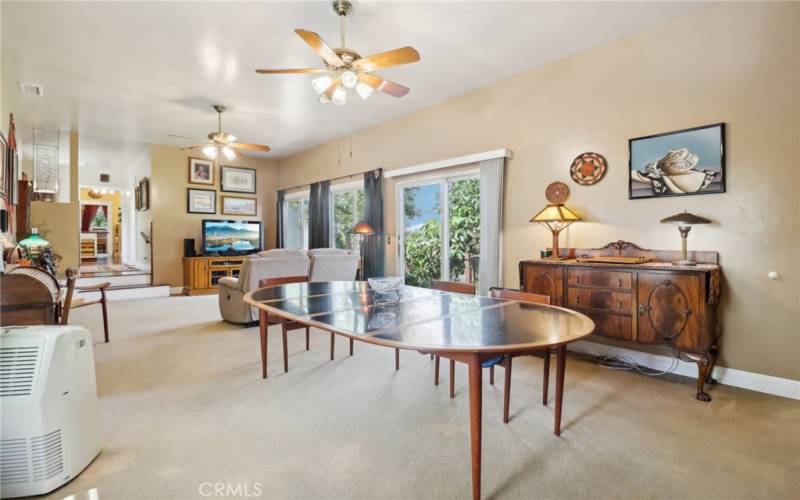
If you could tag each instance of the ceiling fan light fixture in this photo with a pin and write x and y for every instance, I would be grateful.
(321, 83)
(364, 90)
(339, 96)
(210, 151)
(324, 99)
(229, 153)
(349, 78)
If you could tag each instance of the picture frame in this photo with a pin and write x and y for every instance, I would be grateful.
(3, 165)
(201, 201)
(238, 179)
(236, 205)
(45, 169)
(680, 163)
(144, 194)
(201, 171)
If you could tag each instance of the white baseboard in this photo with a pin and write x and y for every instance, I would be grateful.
(176, 290)
(768, 384)
(145, 292)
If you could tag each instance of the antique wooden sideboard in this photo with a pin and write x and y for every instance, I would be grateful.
(654, 302)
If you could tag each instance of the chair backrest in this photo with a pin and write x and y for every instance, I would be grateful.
(255, 269)
(282, 281)
(511, 294)
(453, 286)
(282, 252)
(338, 267)
(329, 251)
(29, 296)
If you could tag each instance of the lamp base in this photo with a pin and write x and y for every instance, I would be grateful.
(684, 263)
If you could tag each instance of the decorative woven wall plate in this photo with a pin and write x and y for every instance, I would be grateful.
(588, 168)
(557, 193)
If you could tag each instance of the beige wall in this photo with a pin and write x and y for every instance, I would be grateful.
(60, 222)
(732, 63)
(172, 223)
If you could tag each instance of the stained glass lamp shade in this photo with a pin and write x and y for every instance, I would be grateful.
(555, 217)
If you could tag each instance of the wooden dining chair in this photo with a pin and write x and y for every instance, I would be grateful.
(288, 325)
(467, 289)
(33, 296)
(534, 298)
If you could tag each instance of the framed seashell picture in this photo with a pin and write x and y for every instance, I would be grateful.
(680, 163)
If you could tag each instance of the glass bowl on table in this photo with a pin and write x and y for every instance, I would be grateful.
(388, 289)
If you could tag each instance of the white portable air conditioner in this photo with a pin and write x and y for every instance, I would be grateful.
(48, 407)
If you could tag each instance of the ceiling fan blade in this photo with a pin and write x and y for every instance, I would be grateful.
(385, 86)
(329, 91)
(196, 146)
(388, 59)
(290, 71)
(181, 137)
(250, 147)
(320, 47)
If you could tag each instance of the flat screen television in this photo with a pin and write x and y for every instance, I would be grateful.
(231, 237)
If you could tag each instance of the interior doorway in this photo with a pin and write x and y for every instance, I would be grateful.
(107, 247)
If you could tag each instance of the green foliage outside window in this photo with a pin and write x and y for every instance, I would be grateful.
(423, 249)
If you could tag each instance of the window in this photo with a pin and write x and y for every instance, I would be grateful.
(295, 222)
(439, 229)
(347, 208)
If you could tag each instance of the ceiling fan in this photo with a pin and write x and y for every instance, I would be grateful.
(220, 142)
(346, 69)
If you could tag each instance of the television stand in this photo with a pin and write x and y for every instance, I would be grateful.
(201, 274)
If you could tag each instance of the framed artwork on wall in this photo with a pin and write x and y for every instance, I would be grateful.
(234, 205)
(238, 179)
(680, 163)
(201, 171)
(3, 164)
(201, 201)
(143, 194)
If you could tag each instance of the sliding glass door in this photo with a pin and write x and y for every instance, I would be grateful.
(295, 223)
(439, 236)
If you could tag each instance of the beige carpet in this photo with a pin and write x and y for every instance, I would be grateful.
(182, 404)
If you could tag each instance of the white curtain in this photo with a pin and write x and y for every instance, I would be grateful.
(489, 266)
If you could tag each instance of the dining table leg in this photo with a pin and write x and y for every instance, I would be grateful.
(333, 344)
(452, 378)
(436, 370)
(351, 347)
(561, 361)
(285, 347)
(263, 325)
(396, 358)
(475, 420)
(546, 376)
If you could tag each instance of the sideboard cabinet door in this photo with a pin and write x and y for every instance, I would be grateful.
(671, 307)
(545, 280)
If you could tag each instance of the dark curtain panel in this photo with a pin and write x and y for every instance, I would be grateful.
(319, 222)
(279, 222)
(373, 215)
(88, 215)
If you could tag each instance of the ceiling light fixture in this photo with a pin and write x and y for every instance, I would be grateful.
(349, 78)
(339, 96)
(321, 84)
(210, 151)
(364, 90)
(228, 152)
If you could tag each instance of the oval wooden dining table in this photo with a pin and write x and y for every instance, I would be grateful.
(465, 328)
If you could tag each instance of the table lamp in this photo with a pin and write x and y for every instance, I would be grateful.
(685, 221)
(555, 217)
(363, 229)
(34, 242)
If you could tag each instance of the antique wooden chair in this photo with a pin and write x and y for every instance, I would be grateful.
(535, 298)
(33, 296)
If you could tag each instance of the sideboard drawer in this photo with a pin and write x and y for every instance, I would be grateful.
(611, 325)
(599, 278)
(608, 300)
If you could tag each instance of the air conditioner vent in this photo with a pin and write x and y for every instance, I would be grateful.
(14, 461)
(18, 370)
(47, 455)
(31, 89)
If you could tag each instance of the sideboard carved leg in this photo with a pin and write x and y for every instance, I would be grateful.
(703, 369)
(713, 354)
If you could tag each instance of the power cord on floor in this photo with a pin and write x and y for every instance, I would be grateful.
(627, 363)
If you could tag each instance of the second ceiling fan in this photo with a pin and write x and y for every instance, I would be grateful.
(346, 69)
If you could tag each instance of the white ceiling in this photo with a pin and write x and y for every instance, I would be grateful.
(138, 72)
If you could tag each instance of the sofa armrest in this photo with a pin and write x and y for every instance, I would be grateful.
(229, 282)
